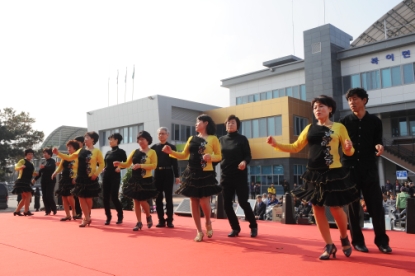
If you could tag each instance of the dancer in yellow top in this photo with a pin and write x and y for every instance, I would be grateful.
(326, 183)
(199, 179)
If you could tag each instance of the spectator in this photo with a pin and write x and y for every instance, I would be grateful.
(294, 186)
(257, 188)
(252, 190)
(304, 209)
(385, 200)
(297, 202)
(397, 187)
(286, 187)
(392, 200)
(273, 200)
(259, 209)
(271, 189)
(411, 190)
(265, 198)
(388, 186)
(401, 200)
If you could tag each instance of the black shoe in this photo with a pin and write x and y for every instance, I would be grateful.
(346, 242)
(161, 224)
(138, 226)
(329, 249)
(27, 214)
(119, 221)
(361, 248)
(385, 249)
(254, 232)
(77, 217)
(170, 225)
(149, 222)
(54, 212)
(47, 214)
(66, 218)
(107, 222)
(234, 233)
(17, 214)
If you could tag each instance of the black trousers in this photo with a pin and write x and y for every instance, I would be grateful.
(78, 209)
(110, 190)
(164, 180)
(238, 186)
(367, 181)
(48, 196)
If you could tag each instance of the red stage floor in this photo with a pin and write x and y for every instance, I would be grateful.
(41, 245)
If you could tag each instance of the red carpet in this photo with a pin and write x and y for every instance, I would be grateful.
(41, 245)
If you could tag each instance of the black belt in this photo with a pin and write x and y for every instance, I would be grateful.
(163, 168)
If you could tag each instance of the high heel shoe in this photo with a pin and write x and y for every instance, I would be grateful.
(85, 223)
(119, 221)
(149, 222)
(27, 214)
(328, 250)
(345, 242)
(66, 218)
(107, 222)
(18, 214)
(138, 226)
(199, 237)
(209, 230)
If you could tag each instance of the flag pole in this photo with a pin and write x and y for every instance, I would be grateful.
(132, 95)
(108, 91)
(125, 83)
(117, 84)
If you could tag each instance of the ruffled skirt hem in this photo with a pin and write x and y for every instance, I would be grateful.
(21, 187)
(86, 188)
(140, 189)
(65, 187)
(198, 183)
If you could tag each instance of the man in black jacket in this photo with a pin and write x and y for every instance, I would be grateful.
(259, 209)
(47, 183)
(165, 174)
(236, 155)
(365, 131)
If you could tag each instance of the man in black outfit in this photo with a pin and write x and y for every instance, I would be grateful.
(112, 178)
(165, 175)
(47, 183)
(236, 155)
(78, 210)
(365, 131)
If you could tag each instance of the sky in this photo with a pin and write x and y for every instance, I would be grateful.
(59, 59)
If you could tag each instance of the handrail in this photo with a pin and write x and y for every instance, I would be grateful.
(399, 151)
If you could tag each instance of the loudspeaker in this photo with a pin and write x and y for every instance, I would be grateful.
(240, 212)
(410, 216)
(287, 216)
(220, 210)
(184, 209)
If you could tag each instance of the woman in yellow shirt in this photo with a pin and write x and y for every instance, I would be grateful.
(141, 185)
(326, 182)
(199, 179)
(90, 165)
(22, 185)
(67, 181)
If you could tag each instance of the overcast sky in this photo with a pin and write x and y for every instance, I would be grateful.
(56, 56)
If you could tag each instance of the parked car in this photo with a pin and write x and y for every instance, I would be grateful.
(4, 196)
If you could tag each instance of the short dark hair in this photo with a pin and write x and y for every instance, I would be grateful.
(27, 151)
(93, 135)
(48, 151)
(144, 134)
(233, 117)
(211, 127)
(80, 139)
(116, 136)
(73, 143)
(359, 92)
(327, 101)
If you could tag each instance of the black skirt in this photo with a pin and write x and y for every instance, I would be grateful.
(65, 187)
(330, 187)
(85, 187)
(198, 183)
(140, 189)
(21, 186)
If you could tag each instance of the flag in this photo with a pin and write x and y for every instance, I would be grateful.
(133, 71)
(125, 75)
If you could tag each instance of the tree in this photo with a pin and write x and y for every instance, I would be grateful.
(127, 203)
(16, 135)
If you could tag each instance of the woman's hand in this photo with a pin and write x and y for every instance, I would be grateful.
(116, 163)
(93, 177)
(53, 176)
(117, 170)
(73, 181)
(271, 141)
(136, 166)
(166, 149)
(242, 165)
(33, 181)
(55, 150)
(348, 145)
(207, 157)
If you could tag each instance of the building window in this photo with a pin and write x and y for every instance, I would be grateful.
(266, 175)
(296, 92)
(412, 125)
(238, 100)
(298, 171)
(262, 127)
(370, 80)
(408, 73)
(299, 124)
(181, 132)
(303, 92)
(246, 129)
(289, 91)
(129, 134)
(399, 127)
(396, 76)
(386, 78)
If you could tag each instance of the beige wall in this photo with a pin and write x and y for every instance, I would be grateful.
(287, 107)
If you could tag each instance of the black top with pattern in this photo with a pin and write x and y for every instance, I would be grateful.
(84, 158)
(319, 147)
(196, 149)
(67, 169)
(139, 157)
(27, 171)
